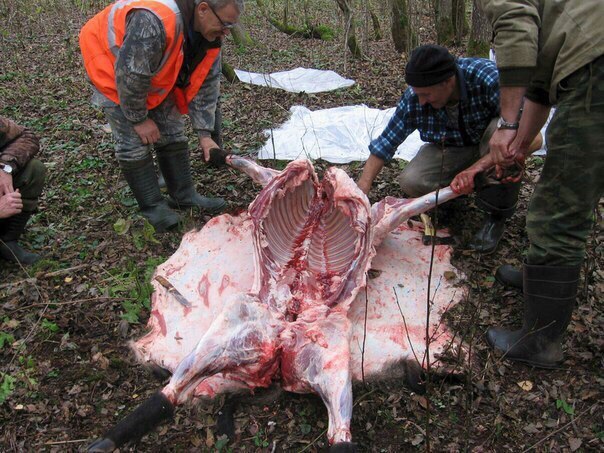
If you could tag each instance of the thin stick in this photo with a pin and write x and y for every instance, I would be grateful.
(62, 442)
(364, 336)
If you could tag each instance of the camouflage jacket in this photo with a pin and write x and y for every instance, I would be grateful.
(18, 145)
(540, 42)
(137, 61)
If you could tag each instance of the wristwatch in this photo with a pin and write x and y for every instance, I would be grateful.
(6, 168)
(503, 124)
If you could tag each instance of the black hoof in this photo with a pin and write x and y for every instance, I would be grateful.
(343, 447)
(415, 378)
(102, 446)
(138, 423)
(217, 157)
(161, 374)
(225, 424)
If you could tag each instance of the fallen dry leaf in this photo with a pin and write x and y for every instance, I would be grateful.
(527, 386)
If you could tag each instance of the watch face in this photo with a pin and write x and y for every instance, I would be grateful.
(7, 168)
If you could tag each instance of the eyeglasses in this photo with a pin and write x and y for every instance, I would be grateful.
(225, 25)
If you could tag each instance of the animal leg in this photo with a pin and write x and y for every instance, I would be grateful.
(316, 358)
(241, 342)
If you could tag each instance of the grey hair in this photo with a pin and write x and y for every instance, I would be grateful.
(218, 4)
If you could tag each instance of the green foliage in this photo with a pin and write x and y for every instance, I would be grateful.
(326, 33)
(260, 439)
(6, 338)
(561, 404)
(134, 286)
(6, 387)
(49, 326)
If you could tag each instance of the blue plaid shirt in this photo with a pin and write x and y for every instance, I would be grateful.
(479, 104)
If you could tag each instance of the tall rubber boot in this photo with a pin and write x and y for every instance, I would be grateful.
(140, 175)
(11, 230)
(509, 275)
(499, 203)
(175, 164)
(549, 300)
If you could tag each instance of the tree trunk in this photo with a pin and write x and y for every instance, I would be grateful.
(377, 30)
(443, 19)
(403, 35)
(228, 72)
(241, 37)
(349, 29)
(480, 35)
(458, 18)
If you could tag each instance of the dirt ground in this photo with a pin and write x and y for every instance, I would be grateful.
(66, 371)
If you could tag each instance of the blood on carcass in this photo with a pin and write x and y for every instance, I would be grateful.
(280, 292)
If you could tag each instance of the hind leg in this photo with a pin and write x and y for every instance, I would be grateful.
(316, 358)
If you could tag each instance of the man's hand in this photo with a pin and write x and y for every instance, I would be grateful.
(206, 144)
(506, 176)
(500, 148)
(372, 168)
(10, 204)
(147, 131)
(6, 183)
(463, 183)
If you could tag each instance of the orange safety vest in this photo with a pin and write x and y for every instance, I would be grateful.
(103, 35)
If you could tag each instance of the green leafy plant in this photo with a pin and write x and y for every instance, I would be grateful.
(7, 386)
(134, 286)
(6, 338)
(561, 404)
(49, 326)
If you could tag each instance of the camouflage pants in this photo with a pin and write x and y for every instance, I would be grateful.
(560, 215)
(424, 174)
(128, 145)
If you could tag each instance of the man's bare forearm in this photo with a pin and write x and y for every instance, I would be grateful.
(511, 102)
(533, 118)
(372, 168)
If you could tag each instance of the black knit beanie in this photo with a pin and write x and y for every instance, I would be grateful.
(429, 64)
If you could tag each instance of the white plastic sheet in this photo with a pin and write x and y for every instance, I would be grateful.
(338, 135)
(297, 80)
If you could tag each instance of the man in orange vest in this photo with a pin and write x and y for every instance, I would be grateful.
(150, 61)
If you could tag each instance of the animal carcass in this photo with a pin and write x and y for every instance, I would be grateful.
(281, 293)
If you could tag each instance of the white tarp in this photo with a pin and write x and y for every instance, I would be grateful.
(338, 135)
(297, 80)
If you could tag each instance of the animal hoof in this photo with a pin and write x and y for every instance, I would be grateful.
(343, 447)
(225, 424)
(102, 446)
(159, 373)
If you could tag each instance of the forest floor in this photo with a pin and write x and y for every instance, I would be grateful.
(67, 373)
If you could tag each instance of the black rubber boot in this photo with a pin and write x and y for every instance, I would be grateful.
(499, 203)
(138, 423)
(509, 275)
(175, 165)
(140, 175)
(549, 300)
(11, 230)
(488, 236)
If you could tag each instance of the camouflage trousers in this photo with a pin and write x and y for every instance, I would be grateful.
(128, 145)
(560, 215)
